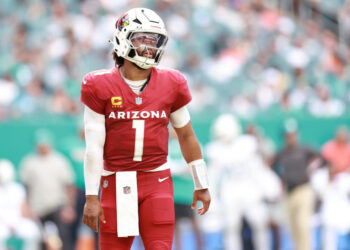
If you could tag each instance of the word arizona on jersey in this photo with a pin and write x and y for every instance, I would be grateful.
(137, 114)
(136, 125)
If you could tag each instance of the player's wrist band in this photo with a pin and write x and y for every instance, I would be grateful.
(199, 174)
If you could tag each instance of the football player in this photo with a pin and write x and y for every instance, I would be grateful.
(127, 111)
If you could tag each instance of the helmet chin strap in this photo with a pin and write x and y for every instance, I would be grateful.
(137, 66)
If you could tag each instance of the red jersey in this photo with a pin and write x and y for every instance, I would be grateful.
(136, 125)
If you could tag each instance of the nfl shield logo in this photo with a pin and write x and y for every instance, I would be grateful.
(105, 183)
(126, 190)
(138, 100)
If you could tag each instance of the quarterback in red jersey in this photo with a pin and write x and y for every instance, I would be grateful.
(126, 116)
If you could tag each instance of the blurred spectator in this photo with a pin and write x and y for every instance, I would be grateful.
(48, 178)
(292, 164)
(62, 103)
(203, 97)
(33, 99)
(329, 59)
(337, 152)
(297, 56)
(9, 91)
(55, 43)
(323, 105)
(15, 217)
(243, 106)
(344, 22)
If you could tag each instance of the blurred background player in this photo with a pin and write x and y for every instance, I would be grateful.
(332, 186)
(239, 166)
(218, 151)
(333, 192)
(292, 163)
(16, 220)
(337, 151)
(273, 190)
(48, 178)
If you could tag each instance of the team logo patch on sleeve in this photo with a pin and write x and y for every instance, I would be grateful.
(126, 190)
(116, 102)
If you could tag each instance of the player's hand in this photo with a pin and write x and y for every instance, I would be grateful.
(93, 210)
(202, 195)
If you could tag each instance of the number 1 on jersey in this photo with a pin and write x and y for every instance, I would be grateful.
(139, 126)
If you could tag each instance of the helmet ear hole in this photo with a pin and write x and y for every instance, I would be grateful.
(162, 40)
(117, 40)
(132, 53)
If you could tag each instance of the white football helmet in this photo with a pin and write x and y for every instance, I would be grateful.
(140, 29)
(226, 128)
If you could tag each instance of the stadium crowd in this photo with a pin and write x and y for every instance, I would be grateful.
(255, 55)
(242, 58)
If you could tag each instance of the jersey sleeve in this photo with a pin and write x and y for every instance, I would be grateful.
(183, 95)
(90, 96)
(180, 117)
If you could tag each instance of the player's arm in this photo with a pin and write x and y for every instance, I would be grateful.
(95, 134)
(191, 151)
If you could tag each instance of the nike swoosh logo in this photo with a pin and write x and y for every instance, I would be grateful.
(163, 179)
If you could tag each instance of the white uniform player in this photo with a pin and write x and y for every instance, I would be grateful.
(12, 221)
(334, 213)
(238, 176)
